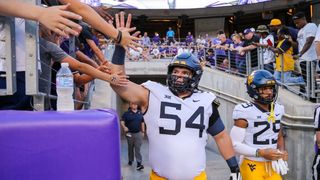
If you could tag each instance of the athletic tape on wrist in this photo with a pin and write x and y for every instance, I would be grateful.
(233, 164)
(118, 55)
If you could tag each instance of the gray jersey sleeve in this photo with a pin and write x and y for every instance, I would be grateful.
(50, 50)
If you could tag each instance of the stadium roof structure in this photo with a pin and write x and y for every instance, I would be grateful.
(210, 8)
(177, 4)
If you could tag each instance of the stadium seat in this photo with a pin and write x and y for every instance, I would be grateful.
(77, 145)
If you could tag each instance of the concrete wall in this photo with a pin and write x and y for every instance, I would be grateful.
(229, 88)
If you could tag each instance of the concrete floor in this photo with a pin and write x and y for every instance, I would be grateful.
(217, 168)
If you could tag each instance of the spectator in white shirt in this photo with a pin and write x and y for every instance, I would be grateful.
(146, 40)
(306, 45)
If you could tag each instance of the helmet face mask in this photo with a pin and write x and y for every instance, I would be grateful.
(179, 87)
(257, 82)
(188, 84)
(269, 99)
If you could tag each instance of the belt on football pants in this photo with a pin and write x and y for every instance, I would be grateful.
(155, 176)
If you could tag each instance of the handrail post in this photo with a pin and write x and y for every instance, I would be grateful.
(10, 55)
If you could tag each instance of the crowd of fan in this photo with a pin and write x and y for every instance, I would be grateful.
(283, 49)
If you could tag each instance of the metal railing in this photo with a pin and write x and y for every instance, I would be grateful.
(230, 61)
(9, 57)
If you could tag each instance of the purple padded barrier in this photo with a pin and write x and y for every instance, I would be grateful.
(77, 145)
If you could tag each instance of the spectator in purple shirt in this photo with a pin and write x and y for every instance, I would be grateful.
(240, 60)
(221, 48)
(210, 57)
(156, 39)
(189, 38)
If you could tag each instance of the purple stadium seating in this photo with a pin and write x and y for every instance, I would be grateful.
(77, 145)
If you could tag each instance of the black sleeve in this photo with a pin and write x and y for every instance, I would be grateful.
(86, 33)
(255, 39)
(215, 123)
(51, 2)
(246, 43)
(215, 114)
(285, 46)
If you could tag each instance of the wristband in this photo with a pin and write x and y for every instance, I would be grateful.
(233, 164)
(119, 37)
(257, 153)
(118, 55)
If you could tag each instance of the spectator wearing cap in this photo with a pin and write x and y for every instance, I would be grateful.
(266, 40)
(306, 45)
(275, 25)
(221, 55)
(284, 59)
(248, 46)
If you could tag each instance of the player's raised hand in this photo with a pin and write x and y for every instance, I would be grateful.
(127, 41)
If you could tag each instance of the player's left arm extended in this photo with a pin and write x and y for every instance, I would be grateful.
(222, 138)
(224, 143)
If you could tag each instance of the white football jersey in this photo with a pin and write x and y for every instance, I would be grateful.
(176, 130)
(260, 133)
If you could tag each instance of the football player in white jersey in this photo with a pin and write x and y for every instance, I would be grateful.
(178, 118)
(257, 134)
